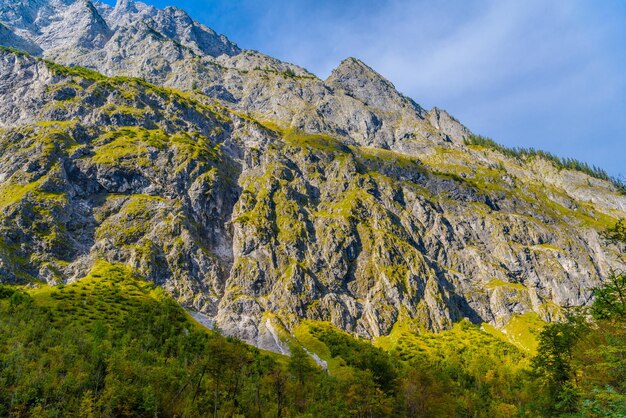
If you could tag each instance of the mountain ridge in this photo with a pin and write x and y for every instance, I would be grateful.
(261, 196)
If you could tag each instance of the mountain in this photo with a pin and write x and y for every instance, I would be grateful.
(260, 196)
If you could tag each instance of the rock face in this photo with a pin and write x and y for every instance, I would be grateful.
(260, 195)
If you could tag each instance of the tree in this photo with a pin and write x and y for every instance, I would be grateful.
(610, 299)
(87, 405)
(584, 360)
(553, 364)
(365, 398)
(425, 393)
(300, 364)
(277, 381)
(222, 358)
(301, 369)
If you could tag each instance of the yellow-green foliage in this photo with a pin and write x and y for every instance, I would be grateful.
(346, 205)
(11, 193)
(113, 110)
(105, 294)
(464, 371)
(584, 214)
(129, 143)
(448, 162)
(61, 125)
(521, 330)
(376, 158)
(324, 143)
(137, 147)
(132, 91)
(42, 143)
(529, 153)
(136, 217)
(464, 339)
(113, 345)
(52, 140)
(14, 51)
(304, 334)
(75, 71)
(192, 148)
(495, 283)
(346, 355)
(538, 196)
(370, 158)
(46, 207)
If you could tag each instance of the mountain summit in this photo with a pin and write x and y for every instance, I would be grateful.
(361, 82)
(260, 196)
(59, 27)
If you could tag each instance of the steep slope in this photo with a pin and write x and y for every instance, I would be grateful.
(168, 48)
(59, 24)
(263, 196)
(85, 185)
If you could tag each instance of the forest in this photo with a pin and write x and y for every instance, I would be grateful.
(112, 345)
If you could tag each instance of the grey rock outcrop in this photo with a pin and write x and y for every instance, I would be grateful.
(448, 125)
(260, 195)
(8, 37)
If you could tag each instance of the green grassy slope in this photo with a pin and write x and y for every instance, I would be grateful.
(112, 344)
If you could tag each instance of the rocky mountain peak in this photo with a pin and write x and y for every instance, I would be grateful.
(126, 6)
(80, 25)
(352, 65)
(447, 124)
(26, 17)
(360, 81)
(176, 24)
(128, 12)
(353, 75)
(64, 30)
(53, 24)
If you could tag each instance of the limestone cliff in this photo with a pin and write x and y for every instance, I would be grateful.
(260, 195)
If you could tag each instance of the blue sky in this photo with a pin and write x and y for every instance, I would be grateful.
(534, 73)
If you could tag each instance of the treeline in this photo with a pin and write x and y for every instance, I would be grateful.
(560, 163)
(151, 361)
(112, 346)
(154, 363)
